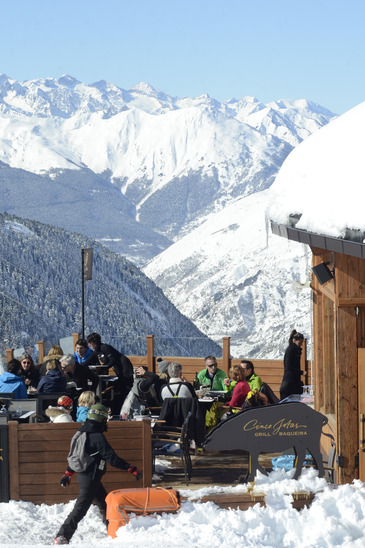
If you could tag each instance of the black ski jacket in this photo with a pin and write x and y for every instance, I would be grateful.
(97, 447)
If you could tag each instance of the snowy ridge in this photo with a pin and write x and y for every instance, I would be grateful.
(139, 170)
(229, 276)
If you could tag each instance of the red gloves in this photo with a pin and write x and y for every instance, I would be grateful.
(66, 478)
(135, 472)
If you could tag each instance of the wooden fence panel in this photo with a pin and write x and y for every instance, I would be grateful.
(38, 459)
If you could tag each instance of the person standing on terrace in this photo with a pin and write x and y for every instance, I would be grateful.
(82, 351)
(291, 383)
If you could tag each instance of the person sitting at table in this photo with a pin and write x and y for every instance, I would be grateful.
(211, 376)
(11, 382)
(177, 386)
(53, 381)
(55, 353)
(146, 389)
(241, 389)
(86, 400)
(252, 378)
(82, 351)
(77, 375)
(61, 413)
(28, 371)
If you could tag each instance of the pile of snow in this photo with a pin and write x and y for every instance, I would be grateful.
(323, 179)
(336, 517)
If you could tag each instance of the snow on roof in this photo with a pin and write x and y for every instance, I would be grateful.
(322, 181)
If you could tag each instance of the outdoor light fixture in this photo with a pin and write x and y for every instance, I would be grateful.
(323, 273)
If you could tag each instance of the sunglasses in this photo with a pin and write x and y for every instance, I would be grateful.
(27, 363)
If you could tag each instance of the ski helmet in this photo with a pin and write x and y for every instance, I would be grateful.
(98, 412)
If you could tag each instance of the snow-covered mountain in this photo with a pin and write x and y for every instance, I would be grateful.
(40, 296)
(231, 276)
(139, 171)
(137, 168)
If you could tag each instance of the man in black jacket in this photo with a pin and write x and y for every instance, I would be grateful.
(79, 374)
(105, 354)
(91, 488)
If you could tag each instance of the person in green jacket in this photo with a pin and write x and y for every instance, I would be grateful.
(253, 380)
(211, 376)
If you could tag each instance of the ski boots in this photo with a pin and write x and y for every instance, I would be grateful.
(60, 540)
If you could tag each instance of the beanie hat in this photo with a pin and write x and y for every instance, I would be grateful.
(97, 412)
(65, 401)
(162, 365)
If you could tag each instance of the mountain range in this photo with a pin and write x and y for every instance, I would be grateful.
(143, 173)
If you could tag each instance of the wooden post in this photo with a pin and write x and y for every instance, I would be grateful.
(75, 338)
(150, 352)
(226, 358)
(13, 460)
(346, 392)
(9, 354)
(41, 351)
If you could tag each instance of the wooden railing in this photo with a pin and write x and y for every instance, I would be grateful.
(271, 371)
(38, 459)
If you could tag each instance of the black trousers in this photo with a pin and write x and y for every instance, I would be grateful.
(288, 388)
(91, 490)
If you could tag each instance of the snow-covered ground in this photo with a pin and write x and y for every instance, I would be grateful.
(336, 517)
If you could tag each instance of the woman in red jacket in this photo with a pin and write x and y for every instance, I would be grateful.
(241, 389)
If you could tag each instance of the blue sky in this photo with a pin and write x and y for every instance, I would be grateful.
(270, 49)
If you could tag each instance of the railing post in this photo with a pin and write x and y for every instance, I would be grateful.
(226, 358)
(150, 352)
(41, 351)
(9, 354)
(75, 338)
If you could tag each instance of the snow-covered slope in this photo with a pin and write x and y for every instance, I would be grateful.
(174, 160)
(138, 170)
(231, 277)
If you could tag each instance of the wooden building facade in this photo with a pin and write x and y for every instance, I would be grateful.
(338, 361)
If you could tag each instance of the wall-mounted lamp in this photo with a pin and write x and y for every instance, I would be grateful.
(323, 273)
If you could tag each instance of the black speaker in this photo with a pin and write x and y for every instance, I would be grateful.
(323, 273)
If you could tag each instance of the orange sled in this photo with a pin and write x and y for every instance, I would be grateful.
(140, 501)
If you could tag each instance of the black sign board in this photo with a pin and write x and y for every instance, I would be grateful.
(271, 429)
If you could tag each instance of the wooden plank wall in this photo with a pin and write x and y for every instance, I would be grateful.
(38, 459)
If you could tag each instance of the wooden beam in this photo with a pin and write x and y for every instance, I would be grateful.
(346, 388)
(328, 290)
(355, 301)
(150, 352)
(226, 358)
(14, 491)
(9, 354)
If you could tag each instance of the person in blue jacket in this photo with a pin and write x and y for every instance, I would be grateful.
(53, 381)
(82, 351)
(10, 381)
(85, 401)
